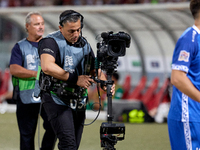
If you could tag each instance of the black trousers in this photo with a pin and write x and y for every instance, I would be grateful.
(67, 123)
(27, 118)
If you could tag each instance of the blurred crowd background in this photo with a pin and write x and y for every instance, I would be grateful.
(21, 3)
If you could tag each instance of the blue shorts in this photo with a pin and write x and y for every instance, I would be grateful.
(183, 135)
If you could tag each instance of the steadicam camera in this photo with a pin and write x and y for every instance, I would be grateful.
(109, 49)
(113, 44)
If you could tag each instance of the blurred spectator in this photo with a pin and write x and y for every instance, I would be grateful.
(6, 91)
(179, 0)
(134, 1)
(90, 2)
(154, 1)
(43, 2)
(63, 2)
(97, 2)
(130, 1)
(106, 2)
(4, 3)
(118, 88)
(14, 3)
(84, 2)
(8, 95)
(27, 3)
(94, 97)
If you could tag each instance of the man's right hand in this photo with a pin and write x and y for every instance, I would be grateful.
(85, 81)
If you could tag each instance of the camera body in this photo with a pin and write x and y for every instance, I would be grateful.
(113, 45)
(111, 133)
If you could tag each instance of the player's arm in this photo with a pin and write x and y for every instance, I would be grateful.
(183, 83)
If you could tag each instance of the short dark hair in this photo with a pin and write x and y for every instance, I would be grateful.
(70, 16)
(195, 8)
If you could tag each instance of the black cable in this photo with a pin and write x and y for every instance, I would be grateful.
(94, 103)
(40, 110)
(98, 109)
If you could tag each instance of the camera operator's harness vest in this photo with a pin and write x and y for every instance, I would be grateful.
(30, 61)
(71, 57)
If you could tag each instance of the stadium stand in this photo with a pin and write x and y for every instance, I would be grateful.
(150, 93)
(126, 86)
(137, 91)
(162, 95)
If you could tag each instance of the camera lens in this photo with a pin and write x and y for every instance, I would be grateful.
(116, 48)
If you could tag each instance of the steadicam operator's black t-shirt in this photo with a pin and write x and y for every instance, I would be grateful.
(49, 46)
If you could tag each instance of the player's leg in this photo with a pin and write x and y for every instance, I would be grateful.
(177, 135)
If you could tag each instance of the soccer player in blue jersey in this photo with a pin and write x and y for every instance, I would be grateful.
(184, 113)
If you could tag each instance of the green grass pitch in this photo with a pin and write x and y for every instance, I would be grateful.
(146, 136)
